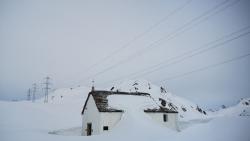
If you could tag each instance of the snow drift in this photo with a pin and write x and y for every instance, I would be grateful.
(25, 120)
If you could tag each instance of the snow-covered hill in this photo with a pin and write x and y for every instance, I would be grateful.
(187, 110)
(60, 119)
(241, 109)
(75, 97)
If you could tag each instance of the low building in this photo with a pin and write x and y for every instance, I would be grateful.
(98, 116)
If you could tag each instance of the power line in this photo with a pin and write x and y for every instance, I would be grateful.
(139, 36)
(217, 7)
(216, 11)
(158, 66)
(205, 68)
(197, 53)
(191, 24)
(194, 22)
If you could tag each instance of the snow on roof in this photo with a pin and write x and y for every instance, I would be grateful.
(187, 110)
(132, 101)
(116, 101)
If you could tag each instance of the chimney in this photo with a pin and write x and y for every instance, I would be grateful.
(93, 86)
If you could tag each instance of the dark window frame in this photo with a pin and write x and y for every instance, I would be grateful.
(165, 117)
(105, 128)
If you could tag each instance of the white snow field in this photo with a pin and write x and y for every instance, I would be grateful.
(60, 119)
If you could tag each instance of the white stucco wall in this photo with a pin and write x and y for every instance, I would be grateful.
(98, 119)
(172, 121)
(91, 115)
(109, 119)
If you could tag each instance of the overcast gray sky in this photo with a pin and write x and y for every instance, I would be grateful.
(64, 39)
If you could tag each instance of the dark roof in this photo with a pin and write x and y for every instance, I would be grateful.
(101, 100)
(160, 110)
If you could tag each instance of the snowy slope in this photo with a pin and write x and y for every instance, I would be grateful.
(187, 110)
(241, 109)
(67, 95)
(60, 119)
(25, 121)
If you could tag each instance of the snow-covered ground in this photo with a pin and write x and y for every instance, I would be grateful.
(60, 119)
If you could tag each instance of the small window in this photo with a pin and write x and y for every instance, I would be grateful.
(105, 128)
(165, 117)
